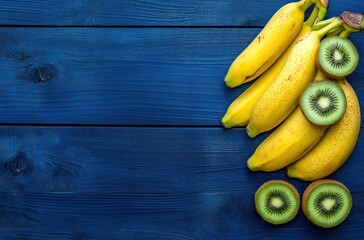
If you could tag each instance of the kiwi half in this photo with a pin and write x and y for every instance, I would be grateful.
(323, 102)
(277, 201)
(337, 57)
(326, 203)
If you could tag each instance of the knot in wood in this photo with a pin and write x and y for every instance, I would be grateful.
(16, 165)
(43, 73)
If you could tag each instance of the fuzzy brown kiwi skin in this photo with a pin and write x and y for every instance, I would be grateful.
(328, 75)
(308, 191)
(276, 181)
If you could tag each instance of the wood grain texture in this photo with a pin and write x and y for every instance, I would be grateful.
(176, 216)
(148, 76)
(123, 76)
(149, 12)
(145, 183)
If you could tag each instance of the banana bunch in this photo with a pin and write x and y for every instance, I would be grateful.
(332, 151)
(282, 61)
(270, 43)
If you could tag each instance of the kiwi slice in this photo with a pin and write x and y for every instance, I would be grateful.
(337, 57)
(323, 102)
(326, 203)
(277, 201)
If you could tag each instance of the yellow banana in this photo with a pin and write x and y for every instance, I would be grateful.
(335, 147)
(289, 142)
(282, 96)
(269, 44)
(238, 113)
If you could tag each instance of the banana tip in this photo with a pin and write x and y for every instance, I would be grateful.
(228, 84)
(229, 81)
(225, 122)
(252, 168)
(290, 172)
(226, 79)
(250, 164)
(251, 133)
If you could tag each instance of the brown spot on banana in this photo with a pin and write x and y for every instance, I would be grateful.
(293, 25)
(260, 38)
(253, 75)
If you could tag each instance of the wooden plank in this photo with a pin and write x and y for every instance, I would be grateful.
(177, 216)
(145, 183)
(149, 12)
(123, 76)
(139, 160)
(135, 160)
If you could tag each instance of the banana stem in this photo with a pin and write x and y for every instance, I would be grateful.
(335, 32)
(345, 33)
(321, 24)
(313, 17)
(352, 21)
(322, 5)
(304, 4)
(336, 22)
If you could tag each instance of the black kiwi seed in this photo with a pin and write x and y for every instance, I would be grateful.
(326, 203)
(323, 102)
(337, 57)
(277, 201)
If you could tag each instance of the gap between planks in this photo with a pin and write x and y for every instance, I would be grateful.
(120, 126)
(124, 26)
(110, 125)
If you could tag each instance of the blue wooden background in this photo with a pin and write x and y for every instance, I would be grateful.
(110, 122)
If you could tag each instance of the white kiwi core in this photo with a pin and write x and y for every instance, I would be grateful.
(338, 56)
(328, 203)
(276, 202)
(324, 102)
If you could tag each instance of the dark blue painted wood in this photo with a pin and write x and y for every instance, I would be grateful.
(132, 76)
(145, 183)
(156, 69)
(149, 12)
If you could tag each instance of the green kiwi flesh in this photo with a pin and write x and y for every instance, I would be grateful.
(277, 202)
(323, 102)
(326, 203)
(337, 57)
